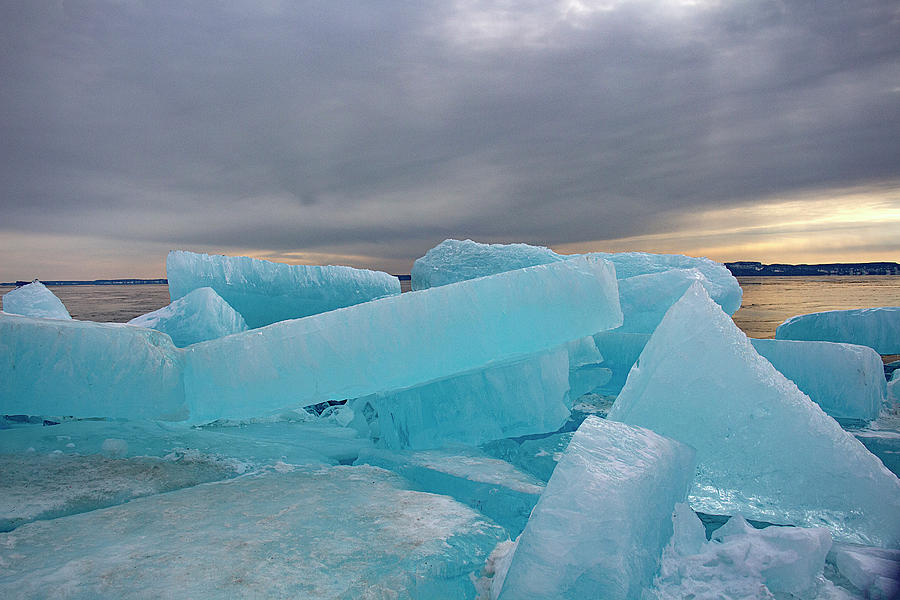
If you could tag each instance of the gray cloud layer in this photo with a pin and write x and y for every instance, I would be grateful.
(389, 126)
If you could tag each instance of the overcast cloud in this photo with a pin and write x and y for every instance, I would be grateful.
(372, 131)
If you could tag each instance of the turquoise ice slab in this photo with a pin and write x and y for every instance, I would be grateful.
(335, 532)
(402, 341)
(764, 449)
(846, 380)
(86, 369)
(878, 328)
(265, 292)
(34, 300)
(620, 351)
(512, 399)
(459, 260)
(599, 529)
(538, 456)
(199, 316)
(493, 487)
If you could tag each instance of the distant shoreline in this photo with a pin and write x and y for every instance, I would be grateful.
(738, 269)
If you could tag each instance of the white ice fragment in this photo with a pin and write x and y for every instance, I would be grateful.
(34, 300)
(741, 562)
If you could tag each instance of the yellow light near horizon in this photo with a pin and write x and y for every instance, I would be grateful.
(849, 225)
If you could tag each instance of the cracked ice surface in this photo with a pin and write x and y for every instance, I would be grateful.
(336, 532)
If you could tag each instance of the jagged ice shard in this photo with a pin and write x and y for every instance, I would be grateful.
(401, 341)
(199, 316)
(86, 369)
(265, 292)
(600, 526)
(878, 328)
(34, 300)
(764, 449)
(846, 380)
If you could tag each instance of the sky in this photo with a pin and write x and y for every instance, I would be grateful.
(364, 133)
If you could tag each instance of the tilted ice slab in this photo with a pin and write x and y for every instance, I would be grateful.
(454, 260)
(740, 561)
(601, 524)
(86, 369)
(507, 400)
(459, 260)
(199, 316)
(492, 486)
(337, 532)
(402, 341)
(846, 380)
(266, 292)
(34, 300)
(878, 328)
(764, 449)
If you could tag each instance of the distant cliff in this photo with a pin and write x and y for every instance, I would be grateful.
(748, 268)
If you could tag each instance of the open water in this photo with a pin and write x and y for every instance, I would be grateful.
(768, 301)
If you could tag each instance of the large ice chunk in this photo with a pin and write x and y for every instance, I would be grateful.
(199, 316)
(723, 287)
(646, 298)
(34, 300)
(402, 341)
(878, 328)
(764, 448)
(740, 561)
(601, 524)
(846, 380)
(492, 486)
(86, 369)
(455, 260)
(512, 399)
(338, 532)
(266, 292)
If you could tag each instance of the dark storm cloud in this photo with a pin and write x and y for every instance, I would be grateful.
(319, 124)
